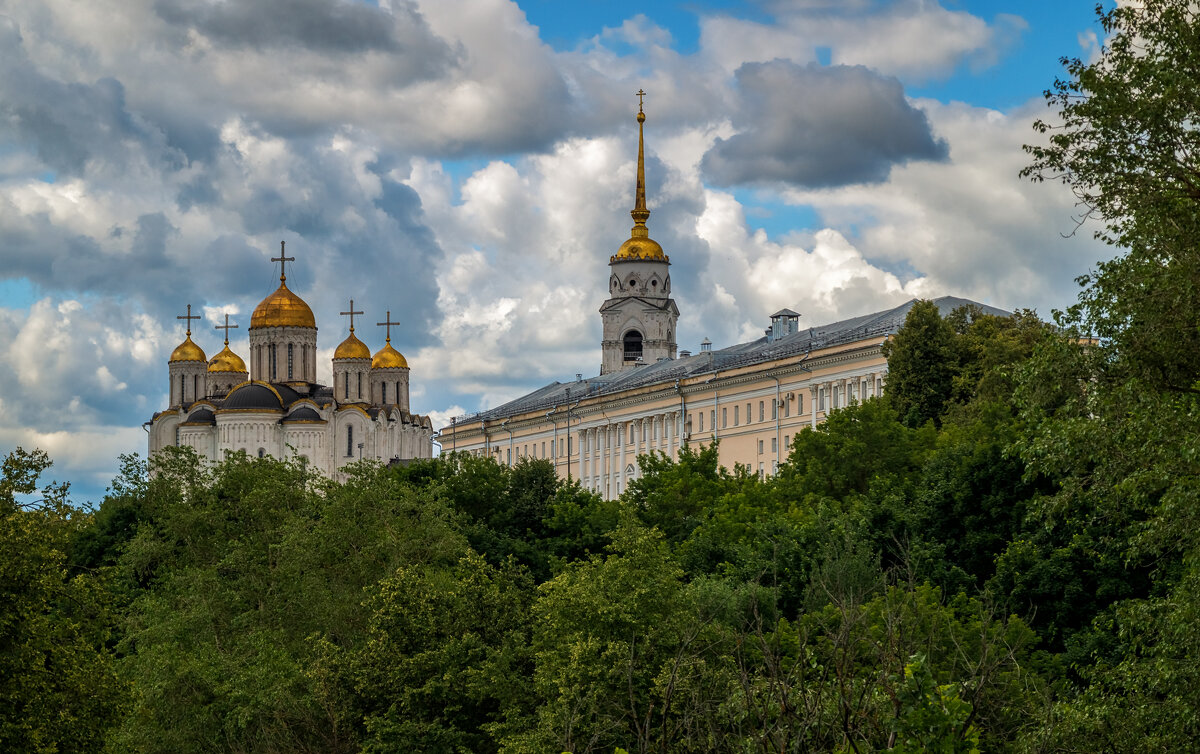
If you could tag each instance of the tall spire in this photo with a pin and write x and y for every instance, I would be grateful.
(639, 213)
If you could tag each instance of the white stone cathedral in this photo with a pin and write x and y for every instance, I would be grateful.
(277, 408)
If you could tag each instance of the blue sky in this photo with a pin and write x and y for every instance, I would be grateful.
(469, 166)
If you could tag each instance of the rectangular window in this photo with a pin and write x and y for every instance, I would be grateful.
(787, 408)
(760, 411)
(712, 419)
(700, 425)
(761, 472)
(384, 386)
(821, 398)
(787, 441)
(543, 450)
(359, 385)
(774, 408)
(799, 404)
(749, 416)
(724, 418)
(349, 441)
(735, 415)
(760, 447)
(774, 444)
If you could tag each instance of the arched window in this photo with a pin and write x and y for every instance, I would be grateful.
(350, 440)
(262, 452)
(633, 345)
(360, 384)
(274, 363)
(289, 361)
(384, 386)
(181, 384)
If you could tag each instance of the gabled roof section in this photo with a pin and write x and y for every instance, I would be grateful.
(757, 351)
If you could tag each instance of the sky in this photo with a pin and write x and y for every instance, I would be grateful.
(470, 166)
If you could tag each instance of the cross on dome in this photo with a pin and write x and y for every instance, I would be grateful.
(351, 314)
(189, 317)
(226, 327)
(283, 260)
(388, 324)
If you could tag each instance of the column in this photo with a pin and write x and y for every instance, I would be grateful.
(624, 441)
(813, 404)
(668, 425)
(583, 461)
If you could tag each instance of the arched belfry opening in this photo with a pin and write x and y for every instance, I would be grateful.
(633, 345)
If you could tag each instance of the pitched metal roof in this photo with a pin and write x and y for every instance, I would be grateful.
(757, 351)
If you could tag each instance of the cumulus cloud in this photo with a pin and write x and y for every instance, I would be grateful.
(815, 126)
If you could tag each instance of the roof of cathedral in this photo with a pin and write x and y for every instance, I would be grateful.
(187, 351)
(227, 361)
(203, 415)
(303, 414)
(352, 348)
(743, 354)
(255, 396)
(282, 309)
(389, 358)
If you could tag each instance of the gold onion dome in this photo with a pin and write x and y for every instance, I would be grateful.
(282, 309)
(389, 358)
(640, 245)
(188, 351)
(353, 348)
(226, 361)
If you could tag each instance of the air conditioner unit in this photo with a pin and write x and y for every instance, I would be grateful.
(790, 397)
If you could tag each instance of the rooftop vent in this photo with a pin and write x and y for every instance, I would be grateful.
(684, 354)
(705, 345)
(783, 323)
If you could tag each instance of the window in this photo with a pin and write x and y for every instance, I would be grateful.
(760, 470)
(289, 361)
(196, 387)
(774, 408)
(177, 437)
(271, 353)
(397, 391)
(787, 408)
(510, 456)
(774, 444)
(543, 450)
(787, 441)
(760, 447)
(349, 441)
(633, 345)
(346, 386)
(261, 452)
(712, 419)
(821, 397)
(384, 386)
(181, 384)
(724, 418)
(359, 385)
(560, 447)
(700, 427)
(799, 403)
(749, 417)
(735, 415)
(760, 411)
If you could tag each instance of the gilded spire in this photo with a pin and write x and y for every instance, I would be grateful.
(640, 245)
(639, 213)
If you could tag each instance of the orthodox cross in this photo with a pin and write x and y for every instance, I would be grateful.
(640, 94)
(226, 327)
(282, 261)
(352, 313)
(189, 317)
(388, 324)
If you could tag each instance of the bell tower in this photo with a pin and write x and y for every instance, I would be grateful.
(639, 316)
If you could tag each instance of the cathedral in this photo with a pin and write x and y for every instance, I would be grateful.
(277, 407)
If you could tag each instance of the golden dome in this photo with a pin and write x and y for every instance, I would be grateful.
(353, 348)
(187, 351)
(282, 309)
(226, 361)
(389, 358)
(641, 248)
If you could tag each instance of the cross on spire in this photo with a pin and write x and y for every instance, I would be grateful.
(189, 317)
(640, 94)
(283, 260)
(388, 324)
(351, 313)
(226, 327)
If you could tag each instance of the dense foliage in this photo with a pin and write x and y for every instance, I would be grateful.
(1001, 555)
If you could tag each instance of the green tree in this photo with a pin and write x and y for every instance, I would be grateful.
(58, 688)
(922, 363)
